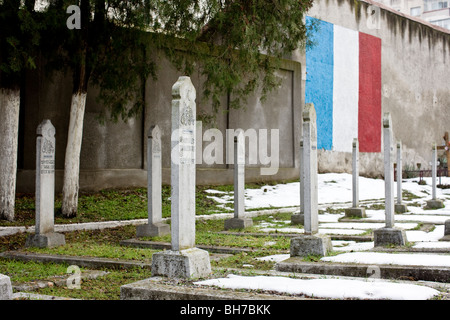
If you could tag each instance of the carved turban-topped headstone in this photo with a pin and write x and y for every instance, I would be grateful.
(184, 260)
(45, 235)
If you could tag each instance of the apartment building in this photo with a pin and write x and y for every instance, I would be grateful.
(436, 12)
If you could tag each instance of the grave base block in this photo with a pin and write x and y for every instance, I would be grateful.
(152, 230)
(298, 218)
(6, 292)
(389, 236)
(355, 212)
(186, 264)
(238, 223)
(47, 240)
(305, 245)
(434, 204)
(446, 231)
(400, 208)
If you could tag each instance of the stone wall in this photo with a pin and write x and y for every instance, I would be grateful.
(113, 155)
(415, 89)
(415, 86)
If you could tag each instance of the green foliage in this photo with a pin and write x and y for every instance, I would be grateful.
(226, 40)
(19, 37)
(221, 40)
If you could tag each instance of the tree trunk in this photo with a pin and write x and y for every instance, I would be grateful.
(9, 132)
(72, 158)
(81, 75)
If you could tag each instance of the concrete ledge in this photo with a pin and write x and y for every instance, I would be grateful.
(167, 246)
(294, 235)
(296, 265)
(89, 262)
(409, 250)
(34, 296)
(154, 289)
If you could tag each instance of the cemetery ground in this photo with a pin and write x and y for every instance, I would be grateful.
(101, 240)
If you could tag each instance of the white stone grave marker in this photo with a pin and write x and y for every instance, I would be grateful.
(155, 226)
(184, 260)
(45, 235)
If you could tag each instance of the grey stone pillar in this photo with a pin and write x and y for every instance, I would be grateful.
(389, 235)
(311, 242)
(299, 217)
(311, 225)
(45, 235)
(155, 226)
(184, 260)
(399, 206)
(434, 203)
(355, 210)
(240, 221)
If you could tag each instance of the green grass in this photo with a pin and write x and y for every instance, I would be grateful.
(28, 271)
(132, 204)
(107, 205)
(332, 210)
(105, 243)
(102, 288)
(408, 196)
(241, 259)
(375, 206)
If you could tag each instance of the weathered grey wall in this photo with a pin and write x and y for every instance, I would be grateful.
(415, 90)
(113, 155)
(415, 81)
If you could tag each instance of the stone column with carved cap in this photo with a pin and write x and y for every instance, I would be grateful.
(184, 260)
(45, 235)
(389, 235)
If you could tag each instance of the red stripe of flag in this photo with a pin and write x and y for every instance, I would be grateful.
(369, 112)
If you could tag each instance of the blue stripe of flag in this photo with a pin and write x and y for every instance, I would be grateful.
(319, 80)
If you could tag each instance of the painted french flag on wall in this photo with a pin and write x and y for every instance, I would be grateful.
(343, 81)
